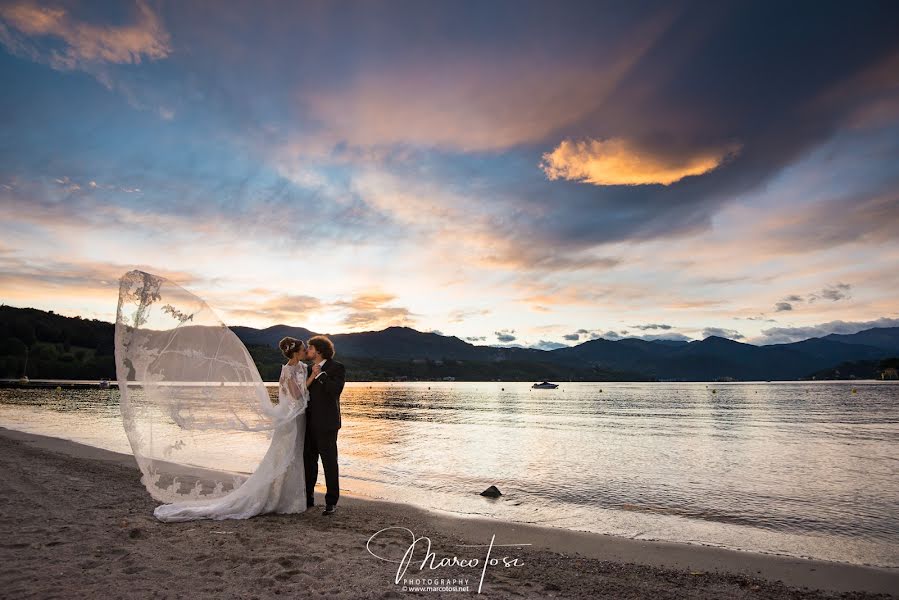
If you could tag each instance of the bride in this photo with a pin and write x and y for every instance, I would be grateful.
(261, 493)
(209, 440)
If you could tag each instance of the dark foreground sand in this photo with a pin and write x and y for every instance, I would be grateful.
(75, 522)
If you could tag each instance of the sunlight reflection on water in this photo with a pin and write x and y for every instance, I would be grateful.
(800, 468)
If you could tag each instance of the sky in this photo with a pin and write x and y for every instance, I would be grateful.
(511, 173)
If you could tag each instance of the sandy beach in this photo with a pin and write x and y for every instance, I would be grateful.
(77, 523)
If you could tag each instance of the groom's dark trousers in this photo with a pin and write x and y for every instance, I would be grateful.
(322, 425)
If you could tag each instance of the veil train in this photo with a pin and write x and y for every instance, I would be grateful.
(209, 440)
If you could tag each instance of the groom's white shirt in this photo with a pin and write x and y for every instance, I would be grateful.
(322, 365)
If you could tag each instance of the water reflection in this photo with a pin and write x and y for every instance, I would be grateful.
(799, 468)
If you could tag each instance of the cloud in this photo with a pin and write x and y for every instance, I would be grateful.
(619, 161)
(732, 334)
(447, 218)
(674, 337)
(870, 217)
(786, 335)
(282, 309)
(840, 291)
(82, 44)
(460, 315)
(372, 310)
(836, 292)
(588, 334)
(480, 96)
(74, 287)
(481, 338)
(505, 335)
(548, 345)
(652, 326)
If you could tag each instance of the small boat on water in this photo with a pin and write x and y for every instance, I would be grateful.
(104, 384)
(545, 386)
(23, 379)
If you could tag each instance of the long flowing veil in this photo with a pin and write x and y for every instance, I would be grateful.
(194, 407)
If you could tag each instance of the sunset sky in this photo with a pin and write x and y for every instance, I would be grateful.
(533, 173)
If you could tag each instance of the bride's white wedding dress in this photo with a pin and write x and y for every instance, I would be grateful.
(209, 440)
(264, 491)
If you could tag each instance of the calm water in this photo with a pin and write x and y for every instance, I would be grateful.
(806, 469)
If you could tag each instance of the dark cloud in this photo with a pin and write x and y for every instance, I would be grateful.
(652, 326)
(840, 291)
(548, 345)
(725, 333)
(677, 337)
(572, 336)
(476, 339)
(682, 96)
(786, 335)
(836, 292)
(505, 335)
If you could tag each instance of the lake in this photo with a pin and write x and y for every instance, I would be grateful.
(797, 468)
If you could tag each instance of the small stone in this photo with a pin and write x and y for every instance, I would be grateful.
(492, 492)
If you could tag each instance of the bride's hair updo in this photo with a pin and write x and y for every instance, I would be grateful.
(290, 345)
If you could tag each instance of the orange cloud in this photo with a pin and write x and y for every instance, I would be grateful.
(371, 310)
(617, 161)
(85, 42)
(283, 309)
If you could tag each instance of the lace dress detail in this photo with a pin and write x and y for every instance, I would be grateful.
(267, 490)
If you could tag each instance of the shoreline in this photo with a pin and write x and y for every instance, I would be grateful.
(113, 384)
(694, 562)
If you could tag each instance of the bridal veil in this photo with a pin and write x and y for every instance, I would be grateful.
(197, 415)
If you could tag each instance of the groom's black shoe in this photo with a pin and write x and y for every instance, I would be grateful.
(310, 502)
(330, 509)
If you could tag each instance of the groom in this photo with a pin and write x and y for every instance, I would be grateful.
(323, 420)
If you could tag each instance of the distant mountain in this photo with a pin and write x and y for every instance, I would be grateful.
(885, 338)
(270, 336)
(397, 343)
(78, 348)
(716, 357)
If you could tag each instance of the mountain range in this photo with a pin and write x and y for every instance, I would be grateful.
(702, 360)
(71, 347)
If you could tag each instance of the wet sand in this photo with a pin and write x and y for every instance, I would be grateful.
(75, 522)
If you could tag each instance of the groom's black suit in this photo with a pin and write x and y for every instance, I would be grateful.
(322, 424)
